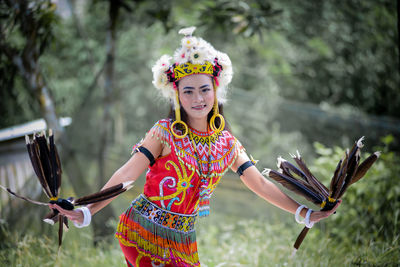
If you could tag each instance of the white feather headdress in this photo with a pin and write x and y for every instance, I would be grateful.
(194, 51)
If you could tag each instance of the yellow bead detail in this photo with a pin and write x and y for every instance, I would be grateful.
(188, 68)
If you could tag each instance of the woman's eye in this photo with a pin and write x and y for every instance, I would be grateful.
(206, 90)
(187, 92)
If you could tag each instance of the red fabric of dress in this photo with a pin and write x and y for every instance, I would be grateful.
(159, 225)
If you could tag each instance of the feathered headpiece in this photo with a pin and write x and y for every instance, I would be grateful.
(195, 56)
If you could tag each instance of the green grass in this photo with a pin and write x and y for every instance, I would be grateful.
(222, 242)
(257, 243)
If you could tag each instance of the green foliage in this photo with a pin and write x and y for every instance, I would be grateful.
(28, 26)
(343, 53)
(371, 207)
(27, 30)
(246, 18)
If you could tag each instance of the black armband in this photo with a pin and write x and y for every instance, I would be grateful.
(148, 154)
(243, 167)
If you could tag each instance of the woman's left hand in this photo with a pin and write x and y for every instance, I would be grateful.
(74, 215)
(316, 216)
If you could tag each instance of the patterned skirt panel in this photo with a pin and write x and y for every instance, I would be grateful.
(162, 235)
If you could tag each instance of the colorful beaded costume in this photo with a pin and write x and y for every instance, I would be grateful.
(160, 222)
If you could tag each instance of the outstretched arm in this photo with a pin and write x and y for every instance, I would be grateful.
(130, 171)
(264, 188)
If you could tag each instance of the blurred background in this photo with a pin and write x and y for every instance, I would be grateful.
(312, 76)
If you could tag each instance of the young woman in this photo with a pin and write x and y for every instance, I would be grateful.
(186, 156)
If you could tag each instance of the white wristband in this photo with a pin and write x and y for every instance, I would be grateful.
(299, 209)
(87, 217)
(307, 221)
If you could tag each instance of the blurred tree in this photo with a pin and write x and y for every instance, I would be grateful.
(22, 51)
(27, 32)
(245, 18)
(344, 53)
(105, 131)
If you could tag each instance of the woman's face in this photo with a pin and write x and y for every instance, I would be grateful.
(196, 95)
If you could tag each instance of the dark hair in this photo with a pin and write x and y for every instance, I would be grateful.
(184, 116)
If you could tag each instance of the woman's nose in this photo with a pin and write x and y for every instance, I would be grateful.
(198, 97)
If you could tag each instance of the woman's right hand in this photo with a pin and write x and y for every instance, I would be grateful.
(74, 215)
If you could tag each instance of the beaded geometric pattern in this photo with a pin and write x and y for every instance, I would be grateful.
(177, 183)
(188, 68)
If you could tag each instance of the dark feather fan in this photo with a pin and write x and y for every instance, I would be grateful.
(303, 182)
(47, 167)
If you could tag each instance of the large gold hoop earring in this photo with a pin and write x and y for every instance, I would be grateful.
(221, 125)
(217, 115)
(184, 126)
(178, 119)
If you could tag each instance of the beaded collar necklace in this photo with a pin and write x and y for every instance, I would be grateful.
(192, 136)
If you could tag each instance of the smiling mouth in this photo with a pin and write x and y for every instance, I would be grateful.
(199, 107)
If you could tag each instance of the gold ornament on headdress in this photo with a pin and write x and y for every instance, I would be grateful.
(188, 68)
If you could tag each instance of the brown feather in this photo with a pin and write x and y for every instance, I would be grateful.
(353, 151)
(60, 229)
(296, 186)
(351, 170)
(352, 166)
(66, 223)
(99, 194)
(55, 165)
(317, 185)
(342, 175)
(33, 155)
(52, 217)
(364, 167)
(288, 168)
(24, 198)
(36, 157)
(59, 169)
(45, 162)
(301, 237)
(335, 177)
(104, 194)
(100, 198)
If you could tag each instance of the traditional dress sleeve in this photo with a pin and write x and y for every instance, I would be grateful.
(160, 130)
